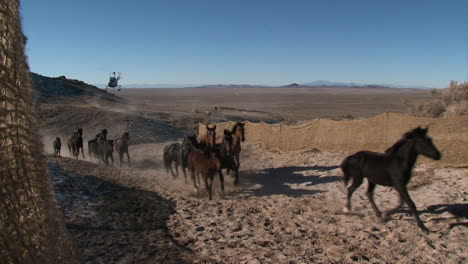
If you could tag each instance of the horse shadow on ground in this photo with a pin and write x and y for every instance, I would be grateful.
(110, 223)
(459, 211)
(278, 180)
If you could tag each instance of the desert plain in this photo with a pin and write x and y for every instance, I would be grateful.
(287, 207)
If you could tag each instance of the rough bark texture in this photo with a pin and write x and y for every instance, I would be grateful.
(32, 229)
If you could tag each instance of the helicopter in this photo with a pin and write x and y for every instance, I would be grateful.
(114, 82)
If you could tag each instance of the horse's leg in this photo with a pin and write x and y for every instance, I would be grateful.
(401, 188)
(370, 196)
(236, 175)
(82, 152)
(388, 213)
(207, 185)
(211, 186)
(221, 180)
(121, 158)
(128, 158)
(185, 174)
(357, 181)
(192, 172)
(198, 176)
(177, 169)
(112, 158)
(172, 170)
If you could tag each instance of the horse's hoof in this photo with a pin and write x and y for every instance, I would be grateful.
(425, 230)
(345, 210)
(385, 217)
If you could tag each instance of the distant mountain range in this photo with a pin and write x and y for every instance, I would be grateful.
(328, 83)
(311, 84)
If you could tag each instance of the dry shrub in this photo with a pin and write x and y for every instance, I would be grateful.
(449, 102)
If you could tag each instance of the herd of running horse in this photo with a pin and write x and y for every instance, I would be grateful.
(99, 147)
(209, 156)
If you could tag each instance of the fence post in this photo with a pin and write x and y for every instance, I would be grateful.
(280, 137)
(386, 129)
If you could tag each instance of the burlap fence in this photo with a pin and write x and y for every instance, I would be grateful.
(377, 133)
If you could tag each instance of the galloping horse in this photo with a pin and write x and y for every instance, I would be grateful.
(121, 145)
(105, 151)
(57, 146)
(93, 144)
(204, 163)
(172, 154)
(227, 158)
(210, 137)
(189, 144)
(392, 168)
(75, 143)
(238, 134)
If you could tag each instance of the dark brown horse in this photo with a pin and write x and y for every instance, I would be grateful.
(75, 143)
(172, 155)
(93, 148)
(392, 168)
(204, 163)
(106, 151)
(227, 158)
(238, 135)
(100, 138)
(57, 146)
(121, 146)
(189, 144)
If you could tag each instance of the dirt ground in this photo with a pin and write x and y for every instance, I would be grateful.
(287, 209)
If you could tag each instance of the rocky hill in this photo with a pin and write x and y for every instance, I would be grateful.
(50, 87)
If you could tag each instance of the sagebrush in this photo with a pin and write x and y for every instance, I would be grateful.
(449, 102)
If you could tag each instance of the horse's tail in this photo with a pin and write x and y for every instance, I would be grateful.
(166, 158)
(90, 149)
(183, 156)
(117, 145)
(351, 167)
(346, 170)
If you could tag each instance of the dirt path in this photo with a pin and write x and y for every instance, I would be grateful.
(287, 210)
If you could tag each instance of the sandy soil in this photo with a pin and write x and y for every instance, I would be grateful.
(287, 209)
(288, 104)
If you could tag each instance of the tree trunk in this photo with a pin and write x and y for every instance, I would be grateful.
(32, 229)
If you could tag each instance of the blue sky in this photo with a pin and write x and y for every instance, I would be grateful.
(249, 42)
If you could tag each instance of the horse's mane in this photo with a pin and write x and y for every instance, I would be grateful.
(396, 146)
(407, 136)
(233, 130)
